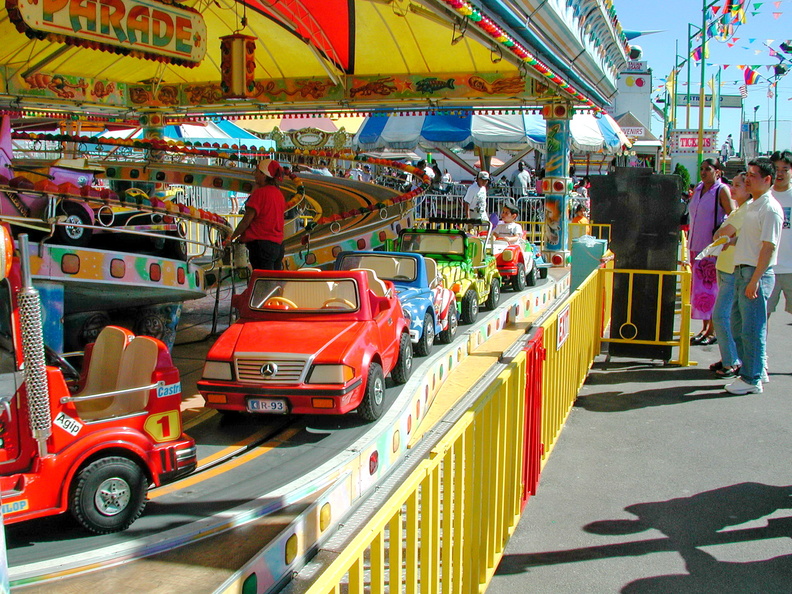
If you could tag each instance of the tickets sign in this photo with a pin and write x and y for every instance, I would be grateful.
(147, 28)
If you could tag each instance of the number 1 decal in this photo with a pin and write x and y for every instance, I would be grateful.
(163, 426)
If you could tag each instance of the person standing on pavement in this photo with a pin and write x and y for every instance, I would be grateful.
(782, 191)
(729, 364)
(476, 197)
(709, 205)
(754, 258)
(521, 181)
(261, 229)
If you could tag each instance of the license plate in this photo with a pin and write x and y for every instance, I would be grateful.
(267, 405)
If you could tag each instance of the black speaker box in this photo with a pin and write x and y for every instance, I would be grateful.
(644, 209)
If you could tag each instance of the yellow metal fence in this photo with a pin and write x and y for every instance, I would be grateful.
(571, 340)
(629, 330)
(445, 527)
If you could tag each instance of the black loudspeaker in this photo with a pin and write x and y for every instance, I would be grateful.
(643, 209)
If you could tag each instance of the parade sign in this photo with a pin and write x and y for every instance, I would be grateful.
(144, 28)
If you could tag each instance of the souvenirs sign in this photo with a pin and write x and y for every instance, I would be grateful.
(141, 28)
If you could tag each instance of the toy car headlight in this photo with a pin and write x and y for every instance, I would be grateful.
(331, 374)
(219, 370)
(407, 314)
(507, 255)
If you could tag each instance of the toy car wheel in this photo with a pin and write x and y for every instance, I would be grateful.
(531, 277)
(171, 248)
(518, 282)
(469, 307)
(374, 399)
(543, 273)
(424, 344)
(68, 235)
(401, 372)
(494, 295)
(447, 335)
(108, 495)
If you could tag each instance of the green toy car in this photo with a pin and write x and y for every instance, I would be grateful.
(467, 267)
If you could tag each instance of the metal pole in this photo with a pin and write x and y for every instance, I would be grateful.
(775, 115)
(703, 82)
(676, 77)
(687, 101)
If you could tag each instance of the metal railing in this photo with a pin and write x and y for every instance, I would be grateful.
(445, 526)
(628, 331)
(572, 341)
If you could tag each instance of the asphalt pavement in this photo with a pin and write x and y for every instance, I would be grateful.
(663, 482)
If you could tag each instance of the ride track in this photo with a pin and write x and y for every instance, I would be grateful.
(212, 523)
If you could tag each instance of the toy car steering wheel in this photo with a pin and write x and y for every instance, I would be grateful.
(280, 301)
(349, 304)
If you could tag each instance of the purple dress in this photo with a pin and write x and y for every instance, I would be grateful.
(706, 215)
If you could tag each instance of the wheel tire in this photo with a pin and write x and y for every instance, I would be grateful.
(494, 295)
(373, 402)
(424, 345)
(73, 236)
(401, 373)
(470, 307)
(531, 277)
(447, 336)
(108, 495)
(543, 273)
(518, 283)
(171, 248)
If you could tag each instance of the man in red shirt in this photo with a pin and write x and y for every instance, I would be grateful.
(261, 229)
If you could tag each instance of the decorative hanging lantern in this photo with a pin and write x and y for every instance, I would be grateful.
(237, 65)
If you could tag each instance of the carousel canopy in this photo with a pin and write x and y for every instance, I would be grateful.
(589, 133)
(221, 131)
(198, 57)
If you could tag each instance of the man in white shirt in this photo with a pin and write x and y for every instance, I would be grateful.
(521, 180)
(476, 197)
(782, 191)
(754, 257)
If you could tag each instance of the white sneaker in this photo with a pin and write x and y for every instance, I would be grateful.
(765, 378)
(740, 386)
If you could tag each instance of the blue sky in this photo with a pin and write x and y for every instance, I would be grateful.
(772, 22)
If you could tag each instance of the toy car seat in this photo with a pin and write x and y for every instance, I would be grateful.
(103, 367)
(135, 370)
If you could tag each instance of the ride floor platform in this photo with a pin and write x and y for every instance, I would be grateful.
(663, 482)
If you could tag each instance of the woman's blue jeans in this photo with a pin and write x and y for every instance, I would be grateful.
(749, 322)
(721, 320)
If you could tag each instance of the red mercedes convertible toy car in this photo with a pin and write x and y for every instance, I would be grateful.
(310, 342)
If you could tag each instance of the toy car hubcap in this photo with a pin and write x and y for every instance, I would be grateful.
(112, 496)
(379, 391)
(73, 232)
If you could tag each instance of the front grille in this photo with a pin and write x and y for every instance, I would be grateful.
(284, 369)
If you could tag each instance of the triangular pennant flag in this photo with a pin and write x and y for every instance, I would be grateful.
(730, 44)
(751, 39)
(758, 5)
(777, 4)
(769, 41)
(725, 66)
(757, 52)
(777, 15)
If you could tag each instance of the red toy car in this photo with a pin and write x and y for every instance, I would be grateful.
(90, 443)
(310, 342)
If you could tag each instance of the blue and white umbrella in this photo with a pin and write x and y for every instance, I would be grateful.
(509, 132)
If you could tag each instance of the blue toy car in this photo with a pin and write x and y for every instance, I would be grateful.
(429, 307)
